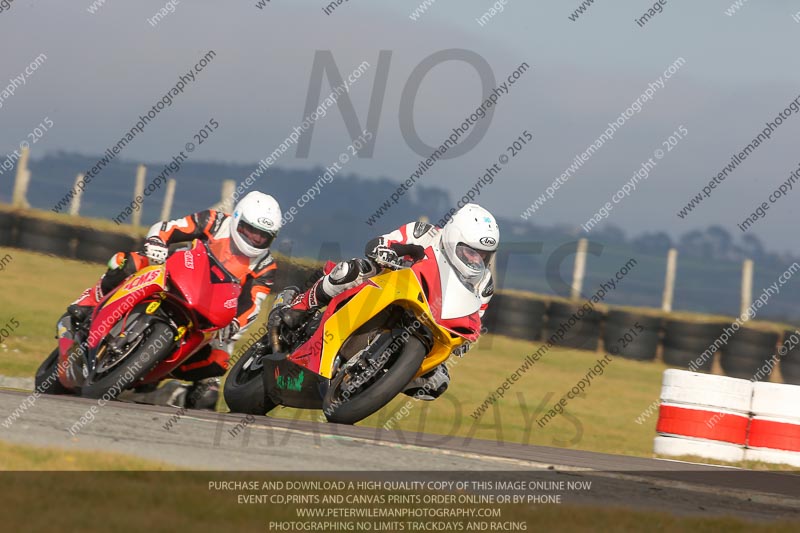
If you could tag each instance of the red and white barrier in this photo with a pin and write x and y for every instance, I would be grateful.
(703, 415)
(728, 419)
(677, 446)
(694, 388)
(718, 424)
(774, 434)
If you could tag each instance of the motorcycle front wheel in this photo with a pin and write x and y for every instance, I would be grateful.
(156, 344)
(347, 401)
(46, 380)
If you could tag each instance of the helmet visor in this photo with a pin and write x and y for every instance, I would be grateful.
(258, 238)
(472, 258)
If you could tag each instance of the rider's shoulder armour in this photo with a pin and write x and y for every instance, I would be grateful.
(264, 263)
(421, 228)
(489, 289)
(218, 220)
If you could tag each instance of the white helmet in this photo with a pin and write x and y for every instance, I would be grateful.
(255, 224)
(469, 241)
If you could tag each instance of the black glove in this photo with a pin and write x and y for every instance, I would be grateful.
(414, 251)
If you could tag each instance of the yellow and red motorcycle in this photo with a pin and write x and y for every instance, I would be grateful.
(353, 357)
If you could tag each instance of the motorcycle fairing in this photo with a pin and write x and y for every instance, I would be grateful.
(137, 287)
(190, 271)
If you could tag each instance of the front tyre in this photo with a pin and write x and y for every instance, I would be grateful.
(343, 408)
(157, 343)
(46, 380)
(244, 387)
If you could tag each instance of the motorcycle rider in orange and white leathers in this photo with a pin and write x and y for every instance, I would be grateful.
(241, 242)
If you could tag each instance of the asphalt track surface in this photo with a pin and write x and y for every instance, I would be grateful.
(202, 440)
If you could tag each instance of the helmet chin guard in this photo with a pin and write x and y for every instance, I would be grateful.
(256, 222)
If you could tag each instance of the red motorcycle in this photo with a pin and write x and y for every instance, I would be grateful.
(148, 326)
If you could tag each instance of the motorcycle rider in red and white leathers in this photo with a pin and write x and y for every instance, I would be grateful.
(241, 242)
(468, 241)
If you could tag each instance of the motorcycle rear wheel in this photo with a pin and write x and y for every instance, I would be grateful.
(366, 402)
(135, 366)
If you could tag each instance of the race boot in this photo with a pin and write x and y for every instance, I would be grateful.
(303, 305)
(203, 394)
(81, 309)
(345, 275)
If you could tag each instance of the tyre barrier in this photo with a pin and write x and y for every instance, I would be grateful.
(728, 419)
(45, 236)
(515, 316)
(8, 224)
(98, 246)
(749, 354)
(790, 361)
(686, 342)
(573, 326)
(638, 345)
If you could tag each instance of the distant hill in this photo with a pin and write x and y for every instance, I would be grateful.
(334, 225)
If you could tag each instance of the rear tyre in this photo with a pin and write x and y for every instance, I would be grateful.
(46, 380)
(244, 387)
(154, 347)
(366, 402)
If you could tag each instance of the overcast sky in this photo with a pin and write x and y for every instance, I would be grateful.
(104, 69)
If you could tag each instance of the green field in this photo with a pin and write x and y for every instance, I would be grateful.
(36, 289)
